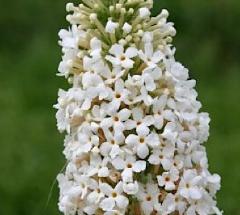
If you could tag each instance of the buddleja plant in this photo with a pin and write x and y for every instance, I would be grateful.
(134, 132)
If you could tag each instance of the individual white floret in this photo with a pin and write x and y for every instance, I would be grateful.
(159, 104)
(111, 27)
(149, 57)
(189, 185)
(84, 143)
(72, 193)
(129, 165)
(96, 47)
(170, 132)
(149, 198)
(206, 205)
(144, 12)
(70, 38)
(127, 28)
(140, 121)
(149, 78)
(69, 112)
(141, 142)
(162, 156)
(96, 195)
(119, 95)
(111, 147)
(168, 179)
(178, 71)
(98, 166)
(130, 188)
(116, 120)
(174, 202)
(111, 75)
(113, 197)
(122, 58)
(70, 47)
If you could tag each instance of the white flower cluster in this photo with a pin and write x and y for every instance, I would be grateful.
(134, 133)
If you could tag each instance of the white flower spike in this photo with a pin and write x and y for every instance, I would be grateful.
(134, 130)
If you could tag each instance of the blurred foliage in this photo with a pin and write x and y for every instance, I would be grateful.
(207, 43)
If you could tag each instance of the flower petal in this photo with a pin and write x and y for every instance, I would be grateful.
(105, 188)
(148, 50)
(184, 192)
(113, 60)
(115, 151)
(137, 114)
(122, 201)
(130, 124)
(131, 52)
(154, 159)
(131, 188)
(157, 56)
(118, 163)
(116, 50)
(148, 120)
(131, 139)
(170, 186)
(142, 130)
(103, 172)
(105, 148)
(119, 85)
(124, 114)
(127, 175)
(195, 193)
(158, 122)
(153, 140)
(119, 187)
(127, 64)
(142, 151)
(107, 204)
(149, 82)
(139, 166)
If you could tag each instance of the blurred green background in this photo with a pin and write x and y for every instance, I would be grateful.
(208, 43)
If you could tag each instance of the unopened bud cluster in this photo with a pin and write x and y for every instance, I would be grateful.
(134, 133)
